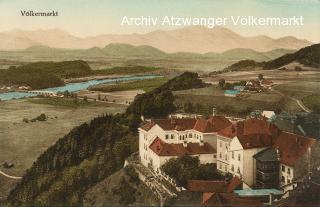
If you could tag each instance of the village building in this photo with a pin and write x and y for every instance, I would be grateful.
(162, 139)
(254, 150)
(238, 143)
(221, 193)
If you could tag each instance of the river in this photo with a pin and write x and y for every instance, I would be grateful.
(74, 87)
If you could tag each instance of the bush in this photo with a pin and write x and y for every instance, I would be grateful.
(134, 177)
(187, 168)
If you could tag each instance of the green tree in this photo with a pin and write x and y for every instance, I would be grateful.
(222, 82)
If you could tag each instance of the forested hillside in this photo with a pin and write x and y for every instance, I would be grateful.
(44, 74)
(308, 56)
(92, 151)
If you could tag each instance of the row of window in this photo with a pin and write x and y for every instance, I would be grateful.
(225, 167)
(283, 180)
(183, 137)
(239, 156)
(283, 169)
(226, 145)
(238, 169)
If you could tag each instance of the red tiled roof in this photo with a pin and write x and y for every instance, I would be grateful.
(229, 200)
(213, 124)
(162, 148)
(176, 124)
(252, 133)
(266, 82)
(147, 125)
(206, 196)
(213, 186)
(233, 184)
(292, 147)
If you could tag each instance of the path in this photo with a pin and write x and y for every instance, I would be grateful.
(299, 102)
(9, 176)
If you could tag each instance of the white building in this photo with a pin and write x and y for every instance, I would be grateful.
(238, 143)
(235, 147)
(162, 139)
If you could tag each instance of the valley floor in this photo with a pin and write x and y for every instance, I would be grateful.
(21, 143)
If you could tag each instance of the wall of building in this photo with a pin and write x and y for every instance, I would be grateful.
(211, 139)
(236, 158)
(249, 167)
(286, 174)
(222, 153)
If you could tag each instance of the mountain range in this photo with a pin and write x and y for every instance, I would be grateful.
(193, 39)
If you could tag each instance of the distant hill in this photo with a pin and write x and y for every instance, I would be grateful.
(195, 39)
(245, 65)
(308, 56)
(130, 51)
(127, 50)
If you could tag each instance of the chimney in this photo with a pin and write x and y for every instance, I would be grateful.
(185, 144)
(213, 111)
(233, 129)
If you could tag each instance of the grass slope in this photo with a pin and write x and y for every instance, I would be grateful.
(146, 85)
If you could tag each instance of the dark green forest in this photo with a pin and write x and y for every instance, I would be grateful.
(44, 74)
(91, 152)
(308, 56)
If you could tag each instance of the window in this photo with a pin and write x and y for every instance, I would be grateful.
(220, 166)
(239, 157)
(232, 168)
(226, 168)
(220, 155)
(214, 156)
(282, 179)
(190, 135)
(172, 136)
(238, 170)
(226, 157)
(232, 155)
(167, 136)
(220, 144)
(288, 181)
(289, 171)
(283, 168)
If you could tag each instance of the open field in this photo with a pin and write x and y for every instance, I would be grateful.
(312, 102)
(67, 102)
(204, 99)
(290, 91)
(277, 76)
(118, 97)
(146, 85)
(21, 143)
(300, 89)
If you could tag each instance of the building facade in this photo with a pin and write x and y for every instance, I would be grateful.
(254, 150)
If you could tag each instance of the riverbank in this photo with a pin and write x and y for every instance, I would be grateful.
(76, 86)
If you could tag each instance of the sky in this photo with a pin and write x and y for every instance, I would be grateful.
(93, 17)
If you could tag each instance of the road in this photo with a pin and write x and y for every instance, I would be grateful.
(9, 176)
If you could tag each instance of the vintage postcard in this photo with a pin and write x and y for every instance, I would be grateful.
(159, 103)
